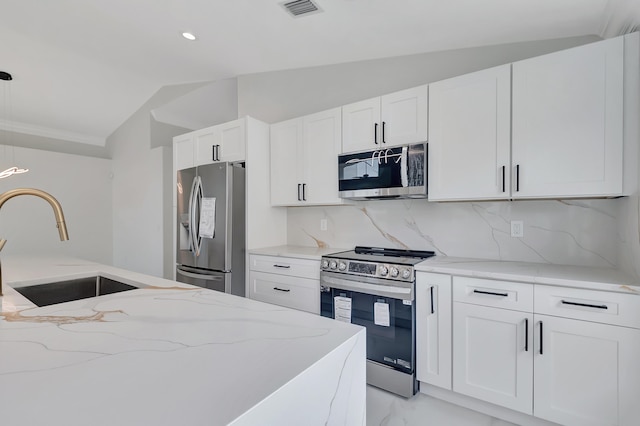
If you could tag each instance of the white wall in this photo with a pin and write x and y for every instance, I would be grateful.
(280, 95)
(140, 196)
(81, 184)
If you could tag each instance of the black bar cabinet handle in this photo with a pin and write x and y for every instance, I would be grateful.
(540, 337)
(491, 293)
(503, 177)
(286, 290)
(586, 305)
(299, 198)
(433, 311)
(304, 192)
(517, 177)
(383, 141)
(282, 266)
(526, 334)
(375, 133)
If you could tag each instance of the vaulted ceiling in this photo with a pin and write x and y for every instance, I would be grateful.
(82, 67)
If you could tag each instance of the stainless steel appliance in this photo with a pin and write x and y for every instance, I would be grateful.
(375, 288)
(399, 172)
(211, 227)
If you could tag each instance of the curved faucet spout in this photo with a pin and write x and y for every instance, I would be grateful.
(55, 205)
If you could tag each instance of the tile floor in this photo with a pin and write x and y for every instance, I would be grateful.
(387, 409)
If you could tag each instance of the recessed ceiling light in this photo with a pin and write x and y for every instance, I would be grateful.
(188, 36)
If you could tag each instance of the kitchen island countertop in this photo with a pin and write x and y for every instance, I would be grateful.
(170, 353)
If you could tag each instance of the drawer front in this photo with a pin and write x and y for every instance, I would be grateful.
(589, 305)
(289, 266)
(292, 292)
(499, 294)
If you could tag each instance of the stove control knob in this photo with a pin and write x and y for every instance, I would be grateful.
(394, 271)
(342, 266)
(325, 263)
(383, 270)
(406, 274)
(333, 264)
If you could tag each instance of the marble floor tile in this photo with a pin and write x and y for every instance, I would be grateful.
(386, 409)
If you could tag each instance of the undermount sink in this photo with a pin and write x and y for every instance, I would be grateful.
(76, 289)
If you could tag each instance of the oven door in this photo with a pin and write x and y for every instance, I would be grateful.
(387, 312)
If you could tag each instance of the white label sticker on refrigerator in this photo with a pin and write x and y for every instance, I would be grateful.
(207, 226)
(342, 308)
(381, 314)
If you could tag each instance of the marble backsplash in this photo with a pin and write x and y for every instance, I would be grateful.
(572, 232)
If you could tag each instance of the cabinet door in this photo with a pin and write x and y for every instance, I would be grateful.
(404, 117)
(232, 140)
(321, 146)
(586, 374)
(292, 292)
(470, 136)
(567, 122)
(493, 355)
(286, 158)
(183, 152)
(360, 122)
(205, 141)
(433, 329)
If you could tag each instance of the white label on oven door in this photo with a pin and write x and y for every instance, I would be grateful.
(342, 308)
(381, 314)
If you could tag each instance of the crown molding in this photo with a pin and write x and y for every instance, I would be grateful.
(48, 132)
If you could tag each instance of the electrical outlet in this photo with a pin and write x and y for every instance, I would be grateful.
(517, 228)
(323, 224)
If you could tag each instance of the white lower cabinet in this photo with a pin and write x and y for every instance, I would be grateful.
(433, 329)
(492, 355)
(563, 355)
(285, 281)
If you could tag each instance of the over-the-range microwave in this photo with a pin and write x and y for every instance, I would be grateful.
(398, 172)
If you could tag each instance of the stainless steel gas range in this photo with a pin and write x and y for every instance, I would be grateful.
(375, 288)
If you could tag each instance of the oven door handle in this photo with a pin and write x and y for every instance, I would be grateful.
(402, 293)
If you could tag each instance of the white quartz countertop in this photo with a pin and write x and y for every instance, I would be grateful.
(605, 279)
(164, 354)
(311, 253)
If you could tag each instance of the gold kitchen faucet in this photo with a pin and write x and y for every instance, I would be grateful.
(55, 205)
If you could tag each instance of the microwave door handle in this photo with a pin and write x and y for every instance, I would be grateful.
(404, 170)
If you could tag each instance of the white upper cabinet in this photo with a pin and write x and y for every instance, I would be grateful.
(225, 142)
(183, 152)
(304, 159)
(286, 167)
(394, 119)
(469, 136)
(568, 122)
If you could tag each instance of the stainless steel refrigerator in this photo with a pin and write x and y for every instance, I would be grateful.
(211, 227)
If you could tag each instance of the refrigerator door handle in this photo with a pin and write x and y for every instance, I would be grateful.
(197, 240)
(192, 245)
(200, 276)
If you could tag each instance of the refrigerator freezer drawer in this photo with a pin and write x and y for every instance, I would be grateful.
(218, 281)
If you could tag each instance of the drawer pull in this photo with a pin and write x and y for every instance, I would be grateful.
(491, 293)
(282, 266)
(586, 305)
(433, 311)
(526, 334)
(540, 337)
(286, 290)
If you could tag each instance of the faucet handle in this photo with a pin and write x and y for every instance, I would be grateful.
(2, 243)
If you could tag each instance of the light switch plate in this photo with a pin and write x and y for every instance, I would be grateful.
(323, 224)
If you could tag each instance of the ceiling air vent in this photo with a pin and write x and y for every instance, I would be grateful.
(301, 7)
